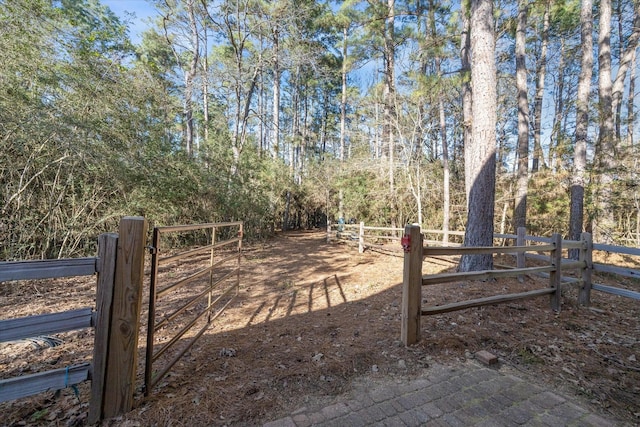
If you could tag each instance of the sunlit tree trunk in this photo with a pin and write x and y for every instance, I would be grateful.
(482, 147)
(578, 178)
(630, 101)
(465, 61)
(343, 116)
(603, 224)
(520, 213)
(389, 104)
(275, 133)
(189, 78)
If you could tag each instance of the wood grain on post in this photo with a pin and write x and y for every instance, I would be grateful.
(125, 317)
(586, 255)
(105, 266)
(412, 287)
(556, 275)
(361, 238)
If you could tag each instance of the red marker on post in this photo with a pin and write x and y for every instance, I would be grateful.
(406, 243)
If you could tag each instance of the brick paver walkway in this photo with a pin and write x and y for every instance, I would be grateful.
(470, 395)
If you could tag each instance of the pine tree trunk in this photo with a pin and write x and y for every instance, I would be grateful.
(603, 225)
(482, 149)
(576, 213)
(520, 212)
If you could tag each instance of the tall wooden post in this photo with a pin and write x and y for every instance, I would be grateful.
(411, 285)
(328, 231)
(586, 253)
(106, 267)
(520, 260)
(125, 317)
(361, 238)
(556, 275)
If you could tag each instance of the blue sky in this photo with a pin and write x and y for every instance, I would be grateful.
(142, 9)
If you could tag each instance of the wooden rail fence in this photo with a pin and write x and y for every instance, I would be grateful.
(413, 280)
(368, 237)
(112, 370)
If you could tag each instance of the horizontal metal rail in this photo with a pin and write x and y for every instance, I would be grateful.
(44, 324)
(196, 251)
(182, 282)
(193, 300)
(47, 269)
(56, 379)
(183, 228)
(190, 325)
(168, 367)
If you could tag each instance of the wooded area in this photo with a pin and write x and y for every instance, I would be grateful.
(283, 114)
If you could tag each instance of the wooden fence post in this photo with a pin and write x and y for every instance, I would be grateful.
(125, 317)
(361, 238)
(328, 231)
(520, 256)
(411, 285)
(586, 255)
(106, 267)
(556, 275)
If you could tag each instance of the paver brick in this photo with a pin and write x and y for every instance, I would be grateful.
(517, 415)
(568, 411)
(354, 420)
(394, 421)
(547, 399)
(432, 410)
(478, 396)
(284, 422)
(335, 410)
(381, 394)
(316, 417)
(376, 413)
(453, 421)
(388, 408)
(595, 421)
(301, 420)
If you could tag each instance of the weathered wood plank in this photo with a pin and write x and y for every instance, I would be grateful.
(479, 302)
(481, 275)
(616, 291)
(107, 249)
(45, 324)
(586, 255)
(556, 274)
(616, 249)
(46, 269)
(411, 289)
(125, 317)
(622, 271)
(570, 265)
(57, 379)
(428, 251)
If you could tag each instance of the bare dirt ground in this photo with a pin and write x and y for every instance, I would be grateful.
(312, 317)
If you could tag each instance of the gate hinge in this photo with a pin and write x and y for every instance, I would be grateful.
(152, 250)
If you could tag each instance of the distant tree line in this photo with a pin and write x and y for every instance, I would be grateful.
(478, 115)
